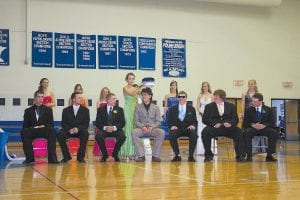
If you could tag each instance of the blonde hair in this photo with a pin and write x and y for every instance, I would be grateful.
(255, 86)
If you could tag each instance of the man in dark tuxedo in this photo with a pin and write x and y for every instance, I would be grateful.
(110, 121)
(75, 123)
(221, 119)
(182, 121)
(38, 123)
(259, 120)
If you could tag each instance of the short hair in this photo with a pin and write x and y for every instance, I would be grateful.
(182, 92)
(221, 93)
(38, 92)
(73, 95)
(258, 96)
(109, 96)
(129, 74)
(147, 90)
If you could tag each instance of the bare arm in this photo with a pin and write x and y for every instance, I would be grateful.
(166, 105)
(198, 103)
(243, 103)
(53, 101)
(131, 91)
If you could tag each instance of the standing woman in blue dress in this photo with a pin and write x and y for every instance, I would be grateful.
(170, 100)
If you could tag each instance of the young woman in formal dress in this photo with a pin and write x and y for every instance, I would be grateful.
(78, 88)
(170, 100)
(205, 97)
(247, 96)
(49, 98)
(102, 98)
(247, 102)
(130, 95)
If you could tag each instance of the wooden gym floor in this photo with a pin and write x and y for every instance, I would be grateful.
(221, 179)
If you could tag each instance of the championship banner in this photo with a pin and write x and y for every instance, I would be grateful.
(147, 48)
(86, 51)
(174, 58)
(64, 50)
(107, 52)
(4, 47)
(127, 52)
(42, 43)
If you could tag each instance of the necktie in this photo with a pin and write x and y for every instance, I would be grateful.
(110, 113)
(181, 113)
(38, 111)
(75, 110)
(258, 114)
(220, 109)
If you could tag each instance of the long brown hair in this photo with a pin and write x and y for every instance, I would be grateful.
(202, 84)
(101, 97)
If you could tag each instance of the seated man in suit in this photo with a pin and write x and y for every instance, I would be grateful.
(221, 119)
(182, 121)
(38, 123)
(75, 123)
(259, 120)
(147, 122)
(110, 121)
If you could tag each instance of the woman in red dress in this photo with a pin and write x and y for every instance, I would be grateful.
(49, 99)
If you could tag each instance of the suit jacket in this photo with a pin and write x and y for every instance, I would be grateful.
(45, 117)
(152, 117)
(211, 115)
(117, 120)
(267, 117)
(81, 121)
(189, 118)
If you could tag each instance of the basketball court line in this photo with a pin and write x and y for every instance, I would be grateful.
(54, 183)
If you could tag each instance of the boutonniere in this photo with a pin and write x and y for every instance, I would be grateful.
(263, 111)
(115, 111)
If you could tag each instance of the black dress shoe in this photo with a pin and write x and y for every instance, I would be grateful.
(191, 159)
(53, 162)
(249, 159)
(271, 159)
(81, 161)
(116, 158)
(104, 158)
(240, 159)
(156, 159)
(28, 162)
(65, 160)
(140, 159)
(176, 159)
(208, 158)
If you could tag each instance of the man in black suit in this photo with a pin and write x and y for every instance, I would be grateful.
(183, 122)
(110, 121)
(75, 123)
(259, 120)
(38, 123)
(221, 119)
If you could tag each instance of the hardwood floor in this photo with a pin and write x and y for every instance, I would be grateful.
(221, 179)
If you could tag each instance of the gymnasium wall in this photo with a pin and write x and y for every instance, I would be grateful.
(223, 43)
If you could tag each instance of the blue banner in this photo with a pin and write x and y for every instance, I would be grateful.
(64, 50)
(42, 43)
(107, 52)
(173, 55)
(127, 52)
(147, 48)
(4, 47)
(86, 51)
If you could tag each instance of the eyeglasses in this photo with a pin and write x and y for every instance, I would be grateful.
(181, 97)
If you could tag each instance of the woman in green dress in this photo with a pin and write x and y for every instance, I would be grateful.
(130, 94)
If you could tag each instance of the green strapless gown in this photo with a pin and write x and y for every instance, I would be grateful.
(127, 149)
